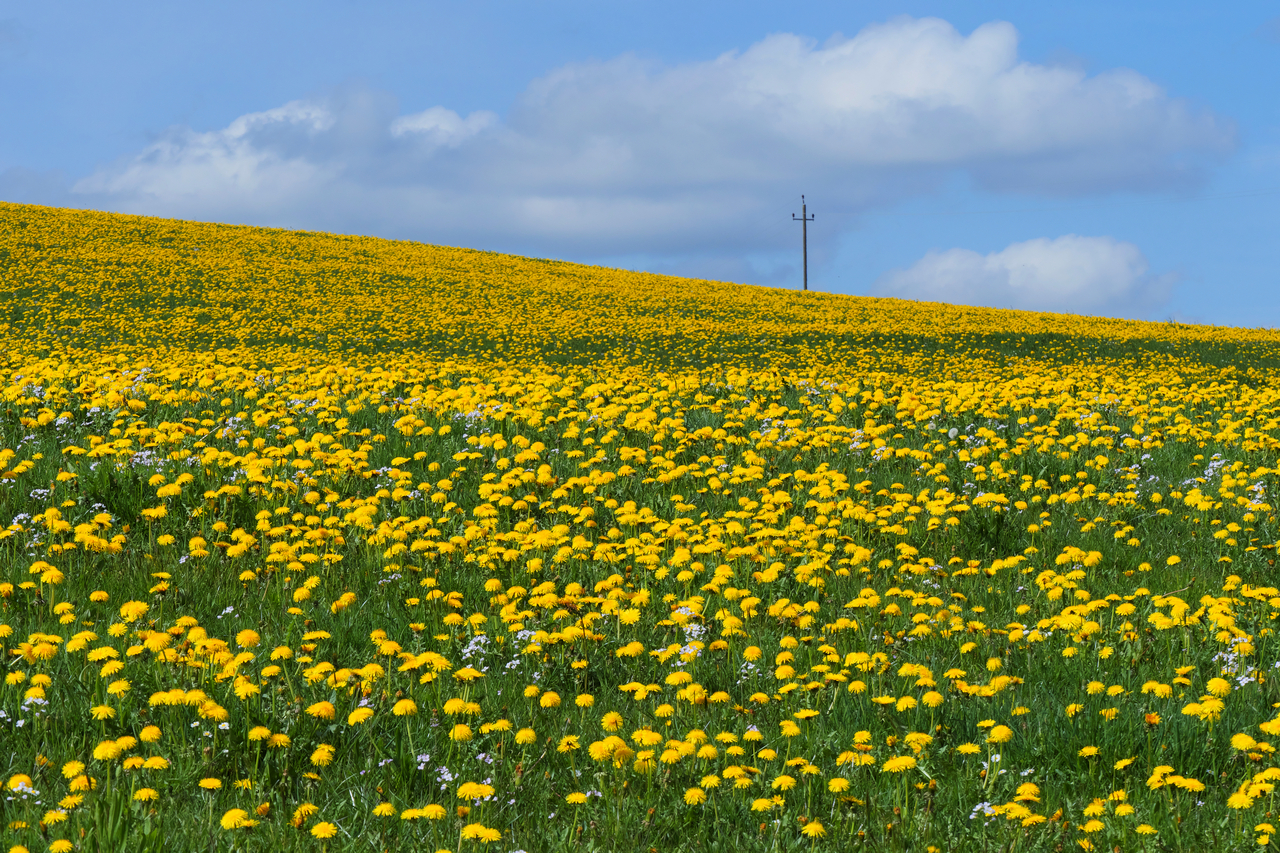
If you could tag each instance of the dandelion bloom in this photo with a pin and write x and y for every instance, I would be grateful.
(695, 797)
(358, 716)
(1000, 734)
(1243, 742)
(1239, 801)
(1210, 709)
(259, 733)
(474, 791)
(524, 737)
(247, 639)
(384, 810)
(480, 833)
(814, 829)
(322, 710)
(567, 743)
(322, 755)
(1145, 829)
(324, 829)
(106, 751)
(577, 798)
(550, 699)
(405, 708)
(1188, 784)
(149, 734)
(132, 611)
(462, 732)
(897, 764)
(468, 674)
(211, 784)
(302, 812)
(143, 795)
(1088, 752)
(234, 818)
(762, 805)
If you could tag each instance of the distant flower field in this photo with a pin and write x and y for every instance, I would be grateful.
(312, 542)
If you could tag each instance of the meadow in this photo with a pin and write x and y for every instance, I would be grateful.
(325, 543)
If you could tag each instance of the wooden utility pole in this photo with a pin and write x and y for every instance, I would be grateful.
(804, 218)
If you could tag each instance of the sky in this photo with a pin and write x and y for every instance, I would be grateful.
(1117, 159)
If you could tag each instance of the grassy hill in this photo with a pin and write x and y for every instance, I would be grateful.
(312, 542)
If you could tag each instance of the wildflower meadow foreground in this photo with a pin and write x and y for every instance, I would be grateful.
(326, 543)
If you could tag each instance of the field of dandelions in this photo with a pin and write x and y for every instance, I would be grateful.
(327, 543)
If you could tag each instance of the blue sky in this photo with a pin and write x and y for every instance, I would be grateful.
(1108, 158)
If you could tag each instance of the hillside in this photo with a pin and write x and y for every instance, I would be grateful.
(312, 542)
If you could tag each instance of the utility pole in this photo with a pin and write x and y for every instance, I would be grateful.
(804, 218)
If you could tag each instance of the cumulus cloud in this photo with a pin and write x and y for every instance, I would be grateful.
(625, 156)
(1071, 274)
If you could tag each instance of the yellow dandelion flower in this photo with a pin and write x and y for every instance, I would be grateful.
(1000, 734)
(322, 710)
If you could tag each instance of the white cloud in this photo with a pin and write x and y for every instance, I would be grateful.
(442, 127)
(1071, 274)
(630, 156)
